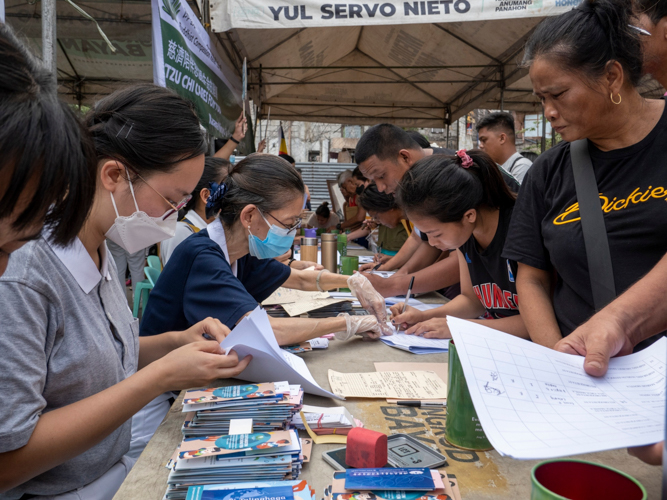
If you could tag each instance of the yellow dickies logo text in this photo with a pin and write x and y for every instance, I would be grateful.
(571, 214)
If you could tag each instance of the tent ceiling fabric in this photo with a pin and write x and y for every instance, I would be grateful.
(87, 69)
(416, 75)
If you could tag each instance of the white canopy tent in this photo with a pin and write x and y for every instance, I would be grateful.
(336, 63)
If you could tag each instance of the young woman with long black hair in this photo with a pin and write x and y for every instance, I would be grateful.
(462, 202)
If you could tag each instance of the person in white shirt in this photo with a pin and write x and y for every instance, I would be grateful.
(323, 218)
(194, 218)
(496, 138)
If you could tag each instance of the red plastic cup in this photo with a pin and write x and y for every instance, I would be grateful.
(580, 480)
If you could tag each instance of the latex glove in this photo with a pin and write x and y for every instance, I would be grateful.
(370, 300)
(364, 326)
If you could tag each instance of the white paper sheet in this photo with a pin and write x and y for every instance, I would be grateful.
(416, 344)
(254, 335)
(535, 403)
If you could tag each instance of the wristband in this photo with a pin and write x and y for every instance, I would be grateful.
(338, 226)
(231, 138)
(289, 262)
(317, 281)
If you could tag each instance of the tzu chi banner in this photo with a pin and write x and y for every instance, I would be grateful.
(185, 60)
(228, 14)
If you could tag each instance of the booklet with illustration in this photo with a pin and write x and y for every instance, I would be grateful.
(224, 445)
(231, 393)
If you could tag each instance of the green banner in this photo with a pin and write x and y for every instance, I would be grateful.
(185, 62)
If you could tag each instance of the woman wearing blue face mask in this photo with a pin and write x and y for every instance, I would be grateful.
(226, 269)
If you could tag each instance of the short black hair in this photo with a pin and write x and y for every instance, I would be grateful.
(287, 158)
(356, 173)
(384, 141)
(586, 38)
(654, 9)
(374, 201)
(498, 120)
(419, 139)
(41, 140)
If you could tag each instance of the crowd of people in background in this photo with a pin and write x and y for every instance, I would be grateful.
(85, 384)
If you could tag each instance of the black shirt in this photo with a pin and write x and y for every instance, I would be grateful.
(493, 277)
(545, 231)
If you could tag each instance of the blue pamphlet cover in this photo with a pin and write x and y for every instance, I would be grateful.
(248, 493)
(389, 479)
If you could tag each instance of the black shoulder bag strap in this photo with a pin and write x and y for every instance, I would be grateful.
(592, 226)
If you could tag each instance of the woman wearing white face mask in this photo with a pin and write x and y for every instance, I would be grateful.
(74, 369)
(226, 269)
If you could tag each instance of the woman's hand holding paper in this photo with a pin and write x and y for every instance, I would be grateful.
(196, 365)
(435, 328)
(364, 326)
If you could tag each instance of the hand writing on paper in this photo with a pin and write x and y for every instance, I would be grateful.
(598, 340)
(435, 328)
(410, 317)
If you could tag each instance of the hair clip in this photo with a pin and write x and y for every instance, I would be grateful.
(218, 192)
(466, 161)
(128, 132)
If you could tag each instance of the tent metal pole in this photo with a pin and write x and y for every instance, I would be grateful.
(49, 54)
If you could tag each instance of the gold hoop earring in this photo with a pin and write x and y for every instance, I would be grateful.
(611, 96)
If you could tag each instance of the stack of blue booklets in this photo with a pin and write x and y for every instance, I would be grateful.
(217, 460)
(271, 406)
(255, 490)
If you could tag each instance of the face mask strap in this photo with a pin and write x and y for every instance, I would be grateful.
(114, 204)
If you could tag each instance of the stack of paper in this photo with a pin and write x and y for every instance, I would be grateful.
(256, 490)
(216, 460)
(254, 336)
(271, 406)
(390, 488)
(416, 344)
(297, 302)
(323, 421)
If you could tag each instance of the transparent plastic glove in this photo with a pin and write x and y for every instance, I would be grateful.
(370, 300)
(364, 326)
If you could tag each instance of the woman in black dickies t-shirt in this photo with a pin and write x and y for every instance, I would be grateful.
(463, 202)
(584, 66)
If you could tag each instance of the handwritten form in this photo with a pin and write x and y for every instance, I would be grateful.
(400, 385)
(534, 402)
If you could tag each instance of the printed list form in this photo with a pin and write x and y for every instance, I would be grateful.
(535, 403)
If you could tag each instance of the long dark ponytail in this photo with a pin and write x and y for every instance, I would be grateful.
(446, 187)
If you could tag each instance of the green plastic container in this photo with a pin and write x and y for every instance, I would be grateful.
(568, 479)
(342, 245)
(349, 264)
(462, 427)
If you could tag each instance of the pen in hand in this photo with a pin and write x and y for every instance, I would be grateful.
(407, 299)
